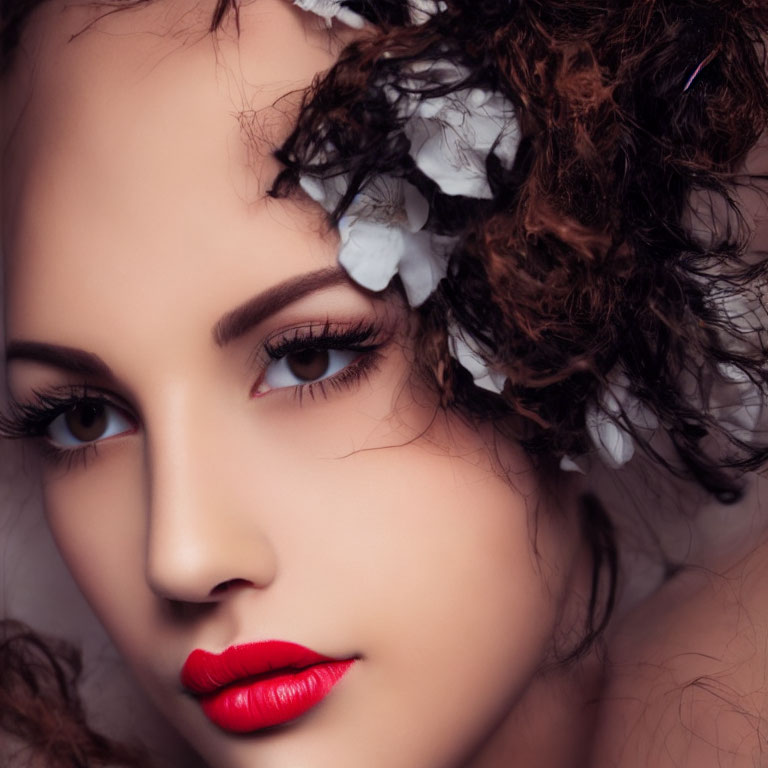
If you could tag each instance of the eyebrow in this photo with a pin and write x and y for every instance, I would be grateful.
(66, 358)
(231, 326)
(257, 309)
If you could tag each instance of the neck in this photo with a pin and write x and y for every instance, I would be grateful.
(552, 726)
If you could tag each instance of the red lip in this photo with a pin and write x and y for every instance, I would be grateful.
(259, 685)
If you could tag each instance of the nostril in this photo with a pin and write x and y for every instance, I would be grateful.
(230, 584)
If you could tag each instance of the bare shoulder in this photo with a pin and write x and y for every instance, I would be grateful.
(687, 682)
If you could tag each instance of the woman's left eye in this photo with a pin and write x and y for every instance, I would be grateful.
(87, 422)
(305, 366)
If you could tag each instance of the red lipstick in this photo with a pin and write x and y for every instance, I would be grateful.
(257, 685)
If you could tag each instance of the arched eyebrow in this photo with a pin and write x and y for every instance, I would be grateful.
(66, 358)
(239, 321)
(231, 326)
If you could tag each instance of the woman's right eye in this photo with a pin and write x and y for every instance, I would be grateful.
(87, 422)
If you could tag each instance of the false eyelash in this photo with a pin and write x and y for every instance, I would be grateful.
(357, 338)
(364, 337)
(25, 421)
(68, 457)
(30, 420)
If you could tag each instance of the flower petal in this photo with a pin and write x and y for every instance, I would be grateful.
(350, 18)
(325, 191)
(469, 354)
(330, 9)
(423, 10)
(618, 401)
(568, 464)
(451, 136)
(422, 266)
(508, 142)
(439, 155)
(370, 252)
(737, 402)
(614, 444)
(416, 207)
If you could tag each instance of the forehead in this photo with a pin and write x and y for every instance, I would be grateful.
(82, 73)
(141, 146)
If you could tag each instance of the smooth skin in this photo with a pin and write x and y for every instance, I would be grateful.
(220, 504)
(687, 684)
(687, 674)
(687, 670)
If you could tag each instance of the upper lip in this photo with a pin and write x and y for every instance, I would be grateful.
(204, 672)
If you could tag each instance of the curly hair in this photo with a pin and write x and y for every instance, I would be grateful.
(582, 263)
(40, 706)
(584, 260)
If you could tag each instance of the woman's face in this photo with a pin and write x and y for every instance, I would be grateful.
(235, 450)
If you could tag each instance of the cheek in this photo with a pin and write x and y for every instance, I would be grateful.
(98, 521)
(418, 557)
(432, 571)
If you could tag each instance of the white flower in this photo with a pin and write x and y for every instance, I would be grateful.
(614, 444)
(451, 136)
(325, 191)
(420, 11)
(737, 402)
(615, 404)
(423, 10)
(569, 464)
(331, 9)
(472, 356)
(373, 252)
(382, 234)
(730, 396)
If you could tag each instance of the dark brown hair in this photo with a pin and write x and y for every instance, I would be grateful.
(582, 263)
(41, 708)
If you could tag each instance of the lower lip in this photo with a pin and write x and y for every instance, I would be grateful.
(274, 699)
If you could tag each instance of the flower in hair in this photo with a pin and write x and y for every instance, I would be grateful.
(383, 231)
(609, 421)
(331, 9)
(382, 234)
(423, 10)
(569, 464)
(473, 356)
(737, 402)
(420, 11)
(452, 135)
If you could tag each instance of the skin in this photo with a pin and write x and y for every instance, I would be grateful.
(687, 685)
(363, 523)
(687, 674)
(686, 681)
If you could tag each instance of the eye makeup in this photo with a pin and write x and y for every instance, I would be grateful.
(67, 421)
(307, 351)
(53, 413)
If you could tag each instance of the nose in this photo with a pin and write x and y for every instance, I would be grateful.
(204, 533)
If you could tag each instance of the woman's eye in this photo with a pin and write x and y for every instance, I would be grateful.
(87, 422)
(306, 366)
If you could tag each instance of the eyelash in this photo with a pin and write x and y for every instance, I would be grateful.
(364, 338)
(32, 420)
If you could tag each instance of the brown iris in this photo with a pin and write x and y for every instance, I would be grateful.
(86, 421)
(308, 364)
